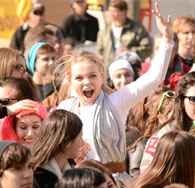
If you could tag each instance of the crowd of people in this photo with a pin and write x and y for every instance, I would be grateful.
(105, 119)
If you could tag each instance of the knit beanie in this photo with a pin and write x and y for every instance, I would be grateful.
(31, 59)
(4, 145)
(117, 65)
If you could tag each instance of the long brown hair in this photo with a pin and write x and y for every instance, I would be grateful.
(185, 83)
(74, 57)
(173, 162)
(143, 117)
(98, 165)
(59, 128)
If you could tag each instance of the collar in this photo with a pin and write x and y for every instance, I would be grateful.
(25, 26)
(52, 166)
(80, 18)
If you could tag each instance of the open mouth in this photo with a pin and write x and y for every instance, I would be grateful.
(88, 94)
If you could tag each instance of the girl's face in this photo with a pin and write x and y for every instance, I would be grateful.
(121, 78)
(74, 146)
(27, 129)
(86, 81)
(185, 36)
(45, 63)
(189, 103)
(19, 69)
(18, 177)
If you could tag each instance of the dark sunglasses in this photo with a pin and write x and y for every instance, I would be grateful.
(191, 99)
(38, 13)
(6, 101)
(165, 94)
(20, 68)
(80, 1)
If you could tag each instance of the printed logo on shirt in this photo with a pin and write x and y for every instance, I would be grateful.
(152, 146)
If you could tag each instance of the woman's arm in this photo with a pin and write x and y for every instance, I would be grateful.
(21, 105)
(128, 96)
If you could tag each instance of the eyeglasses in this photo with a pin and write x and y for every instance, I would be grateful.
(191, 99)
(6, 101)
(167, 94)
(20, 68)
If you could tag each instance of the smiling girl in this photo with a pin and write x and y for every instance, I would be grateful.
(40, 64)
(104, 116)
(24, 126)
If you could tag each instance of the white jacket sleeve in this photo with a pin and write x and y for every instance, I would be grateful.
(129, 95)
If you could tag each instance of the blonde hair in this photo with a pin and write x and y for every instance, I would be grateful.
(8, 59)
(74, 57)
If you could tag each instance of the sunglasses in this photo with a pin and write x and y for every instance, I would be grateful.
(6, 101)
(20, 68)
(165, 94)
(191, 99)
(80, 1)
(38, 13)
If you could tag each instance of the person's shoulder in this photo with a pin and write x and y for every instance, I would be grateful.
(66, 104)
(23, 28)
(71, 18)
(134, 23)
(91, 17)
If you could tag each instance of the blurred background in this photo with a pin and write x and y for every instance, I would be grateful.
(14, 13)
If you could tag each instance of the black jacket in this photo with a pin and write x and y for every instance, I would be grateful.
(80, 28)
(17, 41)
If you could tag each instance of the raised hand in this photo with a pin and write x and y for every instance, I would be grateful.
(164, 27)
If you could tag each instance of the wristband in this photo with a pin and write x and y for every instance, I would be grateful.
(4, 110)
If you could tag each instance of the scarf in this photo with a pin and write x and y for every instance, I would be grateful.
(108, 131)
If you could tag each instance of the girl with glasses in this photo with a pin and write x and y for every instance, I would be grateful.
(12, 63)
(181, 119)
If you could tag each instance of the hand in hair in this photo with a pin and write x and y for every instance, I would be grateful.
(164, 27)
(21, 105)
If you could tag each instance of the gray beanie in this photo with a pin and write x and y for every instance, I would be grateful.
(4, 145)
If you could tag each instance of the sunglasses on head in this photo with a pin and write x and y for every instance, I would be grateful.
(6, 101)
(165, 94)
(191, 99)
